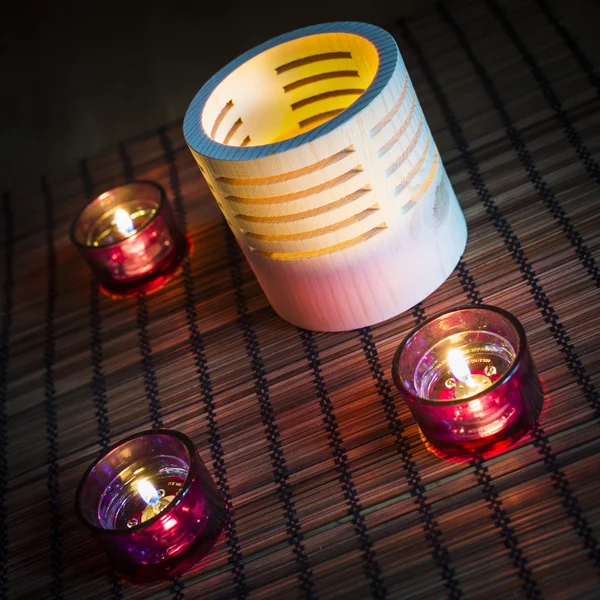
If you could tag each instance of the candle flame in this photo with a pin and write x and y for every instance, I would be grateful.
(459, 366)
(123, 221)
(148, 492)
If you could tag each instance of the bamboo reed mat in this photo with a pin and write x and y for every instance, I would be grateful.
(332, 492)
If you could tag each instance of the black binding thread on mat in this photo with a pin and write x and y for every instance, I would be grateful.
(591, 166)
(4, 358)
(169, 153)
(143, 321)
(98, 378)
(499, 515)
(278, 462)
(50, 408)
(511, 241)
(372, 568)
(544, 191)
(202, 370)
(572, 44)
(433, 534)
(514, 246)
(98, 383)
(176, 588)
(418, 312)
(501, 520)
(559, 332)
(540, 440)
(148, 366)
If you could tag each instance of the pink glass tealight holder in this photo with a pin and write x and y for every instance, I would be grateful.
(469, 380)
(151, 505)
(130, 238)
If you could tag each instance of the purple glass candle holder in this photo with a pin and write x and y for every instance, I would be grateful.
(469, 380)
(130, 239)
(151, 505)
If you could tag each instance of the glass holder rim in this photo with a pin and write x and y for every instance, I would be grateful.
(519, 356)
(192, 452)
(161, 201)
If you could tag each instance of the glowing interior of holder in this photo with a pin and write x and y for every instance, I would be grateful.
(290, 89)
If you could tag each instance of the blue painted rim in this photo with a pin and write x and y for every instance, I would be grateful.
(201, 143)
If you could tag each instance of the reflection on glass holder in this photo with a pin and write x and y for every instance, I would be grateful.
(130, 238)
(469, 380)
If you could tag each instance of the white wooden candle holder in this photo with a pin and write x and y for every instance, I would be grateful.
(317, 151)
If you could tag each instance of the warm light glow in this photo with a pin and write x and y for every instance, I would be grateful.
(459, 366)
(468, 384)
(123, 221)
(169, 523)
(248, 107)
(476, 407)
(148, 492)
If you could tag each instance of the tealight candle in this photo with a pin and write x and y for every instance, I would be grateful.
(151, 505)
(130, 239)
(468, 378)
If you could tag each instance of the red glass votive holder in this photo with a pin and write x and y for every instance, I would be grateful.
(151, 505)
(469, 380)
(130, 238)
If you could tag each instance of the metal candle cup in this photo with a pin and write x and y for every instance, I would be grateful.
(469, 380)
(151, 505)
(130, 239)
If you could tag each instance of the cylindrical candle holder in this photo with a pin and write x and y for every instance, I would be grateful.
(469, 380)
(130, 238)
(151, 505)
(318, 154)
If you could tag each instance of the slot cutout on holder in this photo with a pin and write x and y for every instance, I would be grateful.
(327, 185)
(232, 131)
(326, 96)
(416, 168)
(318, 77)
(324, 116)
(363, 237)
(400, 131)
(407, 151)
(307, 60)
(307, 214)
(425, 185)
(392, 112)
(220, 117)
(290, 174)
(306, 235)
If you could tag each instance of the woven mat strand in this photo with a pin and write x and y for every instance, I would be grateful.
(331, 490)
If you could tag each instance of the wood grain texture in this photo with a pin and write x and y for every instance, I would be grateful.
(318, 153)
(332, 491)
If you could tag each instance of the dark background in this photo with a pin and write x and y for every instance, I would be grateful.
(79, 76)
